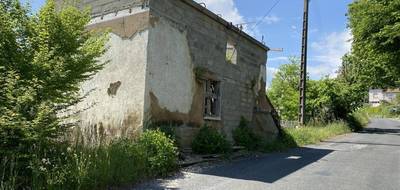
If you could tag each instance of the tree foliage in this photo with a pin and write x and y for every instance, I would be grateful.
(284, 89)
(327, 99)
(43, 60)
(375, 57)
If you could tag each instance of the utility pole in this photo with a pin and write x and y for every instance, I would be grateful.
(303, 69)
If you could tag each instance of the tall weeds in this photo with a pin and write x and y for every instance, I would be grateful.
(76, 165)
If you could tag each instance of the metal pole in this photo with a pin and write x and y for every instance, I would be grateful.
(303, 69)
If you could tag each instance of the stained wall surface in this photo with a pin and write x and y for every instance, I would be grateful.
(184, 39)
(115, 95)
(157, 49)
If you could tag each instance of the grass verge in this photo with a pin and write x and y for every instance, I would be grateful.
(311, 134)
(382, 111)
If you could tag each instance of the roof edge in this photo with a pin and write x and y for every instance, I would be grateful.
(222, 21)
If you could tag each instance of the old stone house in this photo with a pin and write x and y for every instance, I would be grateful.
(175, 61)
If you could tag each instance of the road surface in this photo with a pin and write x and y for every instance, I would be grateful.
(368, 160)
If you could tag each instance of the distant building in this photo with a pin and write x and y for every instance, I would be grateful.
(377, 96)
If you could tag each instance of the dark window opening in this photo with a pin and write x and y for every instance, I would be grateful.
(212, 100)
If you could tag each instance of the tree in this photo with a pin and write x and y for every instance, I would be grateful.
(284, 89)
(327, 99)
(375, 57)
(43, 60)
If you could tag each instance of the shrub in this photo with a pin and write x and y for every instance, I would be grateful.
(357, 120)
(168, 128)
(44, 59)
(244, 136)
(160, 152)
(210, 141)
(284, 142)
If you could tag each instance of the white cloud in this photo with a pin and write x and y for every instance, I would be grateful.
(227, 8)
(329, 53)
(278, 59)
(268, 19)
(271, 71)
(271, 19)
(230, 12)
(295, 31)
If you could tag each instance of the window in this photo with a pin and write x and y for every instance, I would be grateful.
(231, 53)
(212, 100)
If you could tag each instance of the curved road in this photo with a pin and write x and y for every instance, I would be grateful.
(369, 160)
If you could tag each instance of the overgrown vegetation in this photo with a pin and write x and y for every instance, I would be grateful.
(43, 60)
(382, 111)
(310, 134)
(210, 141)
(168, 128)
(244, 136)
(358, 120)
(83, 166)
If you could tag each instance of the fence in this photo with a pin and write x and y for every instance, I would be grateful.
(289, 124)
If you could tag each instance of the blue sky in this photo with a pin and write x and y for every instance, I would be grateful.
(329, 38)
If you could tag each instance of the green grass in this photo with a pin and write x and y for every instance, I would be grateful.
(79, 165)
(382, 111)
(314, 134)
(310, 134)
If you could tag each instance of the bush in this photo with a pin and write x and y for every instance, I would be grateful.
(284, 142)
(44, 59)
(168, 128)
(160, 152)
(358, 119)
(210, 141)
(244, 136)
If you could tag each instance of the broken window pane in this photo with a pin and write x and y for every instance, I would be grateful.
(231, 53)
(212, 99)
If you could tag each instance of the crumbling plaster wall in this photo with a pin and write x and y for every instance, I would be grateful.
(115, 95)
(154, 49)
(202, 44)
(170, 77)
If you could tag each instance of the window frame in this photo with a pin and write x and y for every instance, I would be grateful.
(233, 60)
(217, 95)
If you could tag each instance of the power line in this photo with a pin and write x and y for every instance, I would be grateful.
(265, 15)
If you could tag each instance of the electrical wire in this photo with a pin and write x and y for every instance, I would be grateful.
(265, 15)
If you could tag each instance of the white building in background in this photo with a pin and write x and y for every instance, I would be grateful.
(377, 96)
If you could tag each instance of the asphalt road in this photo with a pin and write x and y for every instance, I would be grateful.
(369, 160)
